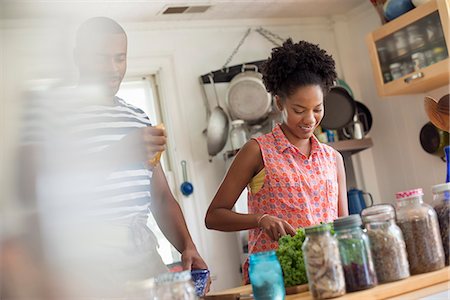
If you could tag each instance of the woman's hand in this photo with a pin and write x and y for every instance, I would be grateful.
(275, 227)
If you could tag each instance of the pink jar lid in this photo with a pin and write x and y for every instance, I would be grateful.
(409, 194)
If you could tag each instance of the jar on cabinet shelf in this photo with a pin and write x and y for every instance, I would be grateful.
(419, 224)
(418, 60)
(441, 204)
(356, 256)
(416, 38)
(323, 264)
(401, 43)
(386, 242)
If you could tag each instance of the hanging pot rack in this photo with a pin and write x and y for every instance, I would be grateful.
(226, 73)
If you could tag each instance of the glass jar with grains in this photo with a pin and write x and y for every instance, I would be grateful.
(420, 227)
(386, 242)
(441, 204)
(323, 264)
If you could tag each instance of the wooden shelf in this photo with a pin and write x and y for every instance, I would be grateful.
(415, 286)
(352, 146)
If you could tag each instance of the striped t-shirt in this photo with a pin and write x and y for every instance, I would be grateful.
(121, 194)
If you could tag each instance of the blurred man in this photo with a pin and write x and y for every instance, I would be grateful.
(91, 181)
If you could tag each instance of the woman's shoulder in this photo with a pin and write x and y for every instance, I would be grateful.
(329, 151)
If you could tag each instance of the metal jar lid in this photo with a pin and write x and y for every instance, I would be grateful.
(378, 213)
(440, 188)
(347, 222)
(317, 229)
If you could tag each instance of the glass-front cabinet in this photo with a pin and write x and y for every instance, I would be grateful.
(410, 54)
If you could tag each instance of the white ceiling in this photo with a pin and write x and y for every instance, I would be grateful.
(150, 10)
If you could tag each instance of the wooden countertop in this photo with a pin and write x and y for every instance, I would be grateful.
(411, 288)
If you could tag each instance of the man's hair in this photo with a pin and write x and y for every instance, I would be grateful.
(294, 65)
(94, 28)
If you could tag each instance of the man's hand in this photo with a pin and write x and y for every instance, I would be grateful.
(143, 144)
(191, 260)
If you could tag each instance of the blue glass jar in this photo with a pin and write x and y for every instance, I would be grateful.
(266, 276)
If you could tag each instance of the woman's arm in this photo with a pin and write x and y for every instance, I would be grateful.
(220, 216)
(245, 165)
(342, 186)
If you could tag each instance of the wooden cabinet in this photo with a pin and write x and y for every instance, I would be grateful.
(409, 55)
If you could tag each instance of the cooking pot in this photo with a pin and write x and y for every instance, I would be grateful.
(218, 126)
(247, 98)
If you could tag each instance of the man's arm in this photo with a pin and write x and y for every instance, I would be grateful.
(170, 219)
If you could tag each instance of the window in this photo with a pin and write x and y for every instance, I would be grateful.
(143, 93)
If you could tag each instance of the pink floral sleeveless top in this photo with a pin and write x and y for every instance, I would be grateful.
(298, 189)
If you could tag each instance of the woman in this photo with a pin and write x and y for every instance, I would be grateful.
(293, 179)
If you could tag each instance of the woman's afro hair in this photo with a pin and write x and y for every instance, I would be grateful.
(294, 65)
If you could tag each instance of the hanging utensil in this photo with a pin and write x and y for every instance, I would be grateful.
(433, 140)
(247, 97)
(218, 126)
(205, 100)
(339, 108)
(186, 187)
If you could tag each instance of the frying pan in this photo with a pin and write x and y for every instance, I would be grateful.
(218, 126)
(433, 139)
(339, 108)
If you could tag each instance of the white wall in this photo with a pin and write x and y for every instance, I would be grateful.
(190, 50)
(397, 160)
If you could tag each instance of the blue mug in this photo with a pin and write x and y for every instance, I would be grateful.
(356, 202)
(200, 279)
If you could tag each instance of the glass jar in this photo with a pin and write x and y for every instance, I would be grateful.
(431, 30)
(441, 204)
(401, 43)
(407, 67)
(356, 257)
(266, 276)
(386, 243)
(416, 38)
(439, 54)
(238, 134)
(383, 55)
(144, 289)
(420, 227)
(429, 57)
(323, 264)
(418, 60)
(177, 285)
(396, 70)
